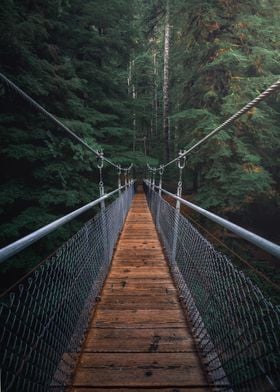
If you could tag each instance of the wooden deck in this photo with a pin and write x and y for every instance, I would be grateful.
(139, 338)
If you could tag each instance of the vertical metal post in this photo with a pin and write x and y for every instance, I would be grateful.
(125, 177)
(100, 166)
(131, 174)
(181, 165)
(153, 178)
(104, 227)
(149, 174)
(120, 192)
(119, 179)
(161, 170)
(128, 176)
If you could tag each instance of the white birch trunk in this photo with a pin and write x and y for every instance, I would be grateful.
(155, 93)
(166, 129)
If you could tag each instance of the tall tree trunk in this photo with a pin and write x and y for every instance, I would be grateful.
(134, 116)
(155, 92)
(166, 128)
(132, 90)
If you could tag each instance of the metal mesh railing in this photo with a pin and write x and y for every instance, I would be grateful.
(237, 328)
(43, 320)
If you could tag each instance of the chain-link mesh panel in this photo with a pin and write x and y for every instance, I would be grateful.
(44, 319)
(237, 328)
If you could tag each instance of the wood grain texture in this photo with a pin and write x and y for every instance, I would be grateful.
(128, 389)
(144, 369)
(139, 338)
(136, 340)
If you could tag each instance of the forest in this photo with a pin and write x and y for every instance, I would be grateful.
(140, 79)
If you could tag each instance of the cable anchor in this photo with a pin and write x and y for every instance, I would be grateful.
(161, 171)
(100, 165)
(100, 159)
(181, 166)
(182, 160)
(119, 176)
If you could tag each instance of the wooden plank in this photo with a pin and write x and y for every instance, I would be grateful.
(128, 288)
(134, 246)
(122, 252)
(128, 389)
(138, 283)
(157, 264)
(139, 369)
(139, 318)
(137, 255)
(143, 272)
(138, 260)
(139, 263)
(123, 302)
(139, 340)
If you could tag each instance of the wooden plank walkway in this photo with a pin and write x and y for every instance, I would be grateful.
(139, 338)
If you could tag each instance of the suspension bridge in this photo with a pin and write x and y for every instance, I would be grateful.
(138, 299)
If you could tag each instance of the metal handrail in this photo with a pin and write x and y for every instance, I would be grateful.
(255, 239)
(17, 246)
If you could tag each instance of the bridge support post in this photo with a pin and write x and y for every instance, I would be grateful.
(176, 229)
(104, 224)
(153, 179)
(161, 170)
(181, 165)
(120, 192)
(119, 179)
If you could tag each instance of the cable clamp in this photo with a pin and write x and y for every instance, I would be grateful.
(161, 170)
(182, 160)
(100, 159)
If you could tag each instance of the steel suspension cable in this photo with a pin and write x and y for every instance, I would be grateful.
(265, 94)
(50, 116)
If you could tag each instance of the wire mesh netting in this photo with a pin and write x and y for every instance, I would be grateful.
(44, 319)
(237, 328)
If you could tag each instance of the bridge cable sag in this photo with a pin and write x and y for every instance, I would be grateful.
(7, 82)
(264, 95)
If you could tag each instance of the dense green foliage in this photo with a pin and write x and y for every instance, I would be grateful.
(224, 53)
(72, 57)
(231, 51)
(98, 66)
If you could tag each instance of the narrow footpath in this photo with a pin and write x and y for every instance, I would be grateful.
(139, 338)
